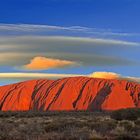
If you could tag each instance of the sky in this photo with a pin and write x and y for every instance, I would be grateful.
(61, 38)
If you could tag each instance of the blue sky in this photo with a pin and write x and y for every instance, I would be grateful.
(120, 15)
(83, 35)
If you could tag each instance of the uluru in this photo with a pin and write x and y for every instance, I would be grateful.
(73, 93)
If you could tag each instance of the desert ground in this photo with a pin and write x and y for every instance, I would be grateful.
(70, 125)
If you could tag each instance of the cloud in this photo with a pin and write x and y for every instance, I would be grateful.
(18, 59)
(28, 76)
(36, 75)
(105, 75)
(112, 75)
(42, 63)
(19, 50)
(67, 40)
(34, 28)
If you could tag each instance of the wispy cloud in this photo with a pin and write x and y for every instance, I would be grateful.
(25, 40)
(36, 75)
(34, 28)
(103, 75)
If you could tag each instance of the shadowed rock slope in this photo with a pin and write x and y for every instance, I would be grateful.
(77, 93)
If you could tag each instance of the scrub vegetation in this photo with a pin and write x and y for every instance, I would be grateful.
(73, 125)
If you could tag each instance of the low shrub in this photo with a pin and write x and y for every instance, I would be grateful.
(126, 114)
(128, 125)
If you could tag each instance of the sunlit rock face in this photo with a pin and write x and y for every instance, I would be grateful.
(77, 93)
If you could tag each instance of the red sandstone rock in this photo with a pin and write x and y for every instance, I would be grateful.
(78, 93)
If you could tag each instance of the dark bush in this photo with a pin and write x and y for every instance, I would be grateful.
(126, 114)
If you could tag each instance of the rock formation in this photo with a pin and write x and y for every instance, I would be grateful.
(77, 93)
